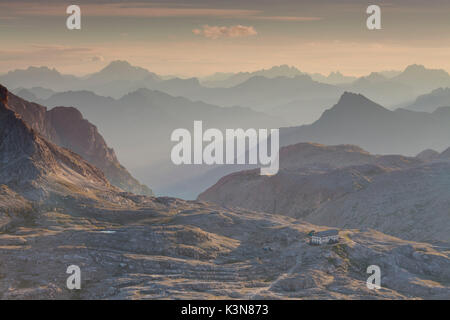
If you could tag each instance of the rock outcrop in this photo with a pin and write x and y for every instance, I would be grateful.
(36, 168)
(66, 127)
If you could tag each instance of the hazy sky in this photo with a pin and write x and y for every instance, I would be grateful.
(198, 37)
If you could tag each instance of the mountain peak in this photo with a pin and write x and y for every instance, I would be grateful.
(122, 66)
(415, 67)
(418, 69)
(119, 64)
(335, 74)
(375, 76)
(356, 103)
(283, 67)
(120, 70)
(350, 97)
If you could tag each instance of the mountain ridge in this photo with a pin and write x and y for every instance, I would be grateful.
(360, 121)
(35, 167)
(346, 187)
(66, 127)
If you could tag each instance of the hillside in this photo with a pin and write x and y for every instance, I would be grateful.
(37, 169)
(66, 127)
(344, 186)
(172, 249)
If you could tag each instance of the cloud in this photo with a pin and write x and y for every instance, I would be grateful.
(59, 49)
(132, 9)
(216, 32)
(286, 18)
(140, 9)
(97, 58)
(46, 55)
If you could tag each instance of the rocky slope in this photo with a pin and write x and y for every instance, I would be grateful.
(36, 168)
(172, 249)
(67, 128)
(345, 186)
(411, 204)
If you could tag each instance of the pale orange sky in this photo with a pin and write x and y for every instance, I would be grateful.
(198, 37)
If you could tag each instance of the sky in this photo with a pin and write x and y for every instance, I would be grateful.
(200, 37)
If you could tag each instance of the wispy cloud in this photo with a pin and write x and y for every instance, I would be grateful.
(50, 55)
(58, 49)
(286, 18)
(216, 32)
(13, 9)
(120, 10)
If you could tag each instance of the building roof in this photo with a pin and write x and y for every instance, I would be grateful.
(327, 233)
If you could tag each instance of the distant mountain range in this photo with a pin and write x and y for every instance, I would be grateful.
(33, 94)
(382, 89)
(335, 78)
(359, 121)
(299, 95)
(431, 101)
(38, 77)
(151, 115)
(228, 80)
(263, 94)
(280, 91)
(139, 126)
(422, 79)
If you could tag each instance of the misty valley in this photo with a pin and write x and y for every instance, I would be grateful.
(235, 142)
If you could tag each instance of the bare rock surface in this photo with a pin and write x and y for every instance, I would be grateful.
(168, 248)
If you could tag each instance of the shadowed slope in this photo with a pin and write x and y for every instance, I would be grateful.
(67, 128)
